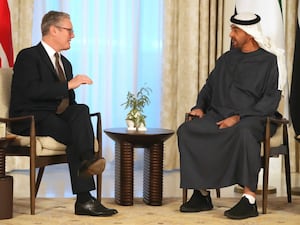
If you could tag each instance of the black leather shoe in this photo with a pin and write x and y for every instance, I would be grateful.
(93, 208)
(242, 210)
(92, 167)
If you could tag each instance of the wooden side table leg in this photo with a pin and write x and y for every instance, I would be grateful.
(124, 173)
(6, 190)
(2, 163)
(153, 175)
(6, 196)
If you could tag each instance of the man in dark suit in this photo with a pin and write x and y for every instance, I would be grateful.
(43, 85)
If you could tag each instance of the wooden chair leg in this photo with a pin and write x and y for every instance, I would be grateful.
(265, 192)
(184, 195)
(265, 184)
(288, 177)
(99, 187)
(218, 192)
(32, 189)
(297, 155)
(38, 180)
(32, 165)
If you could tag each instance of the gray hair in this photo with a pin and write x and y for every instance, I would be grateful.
(52, 18)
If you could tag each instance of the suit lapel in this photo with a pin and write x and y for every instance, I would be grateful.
(67, 67)
(45, 58)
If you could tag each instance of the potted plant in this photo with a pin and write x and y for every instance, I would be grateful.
(136, 102)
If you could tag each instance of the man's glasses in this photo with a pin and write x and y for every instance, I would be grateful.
(70, 30)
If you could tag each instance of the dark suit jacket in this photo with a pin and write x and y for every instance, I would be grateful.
(36, 89)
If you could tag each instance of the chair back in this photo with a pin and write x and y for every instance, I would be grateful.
(276, 139)
(5, 85)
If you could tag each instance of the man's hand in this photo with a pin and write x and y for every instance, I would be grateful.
(228, 122)
(79, 80)
(197, 112)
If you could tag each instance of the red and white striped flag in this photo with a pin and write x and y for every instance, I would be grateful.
(6, 47)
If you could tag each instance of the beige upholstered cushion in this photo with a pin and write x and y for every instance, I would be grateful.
(276, 139)
(44, 145)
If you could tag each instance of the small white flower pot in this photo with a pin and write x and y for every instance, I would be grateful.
(142, 127)
(130, 125)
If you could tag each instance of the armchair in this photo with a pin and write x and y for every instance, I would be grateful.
(273, 146)
(42, 151)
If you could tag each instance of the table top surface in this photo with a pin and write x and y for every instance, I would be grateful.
(139, 138)
(148, 132)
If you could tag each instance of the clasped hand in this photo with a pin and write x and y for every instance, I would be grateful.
(228, 122)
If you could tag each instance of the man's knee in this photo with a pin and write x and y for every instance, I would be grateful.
(81, 109)
(181, 129)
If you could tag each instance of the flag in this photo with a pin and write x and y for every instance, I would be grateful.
(6, 47)
(295, 85)
(272, 27)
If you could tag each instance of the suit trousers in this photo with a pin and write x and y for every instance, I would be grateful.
(81, 147)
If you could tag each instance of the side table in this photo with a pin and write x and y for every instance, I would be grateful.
(152, 141)
(6, 182)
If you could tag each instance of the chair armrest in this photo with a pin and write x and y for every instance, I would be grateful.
(19, 118)
(189, 116)
(98, 131)
(279, 121)
(32, 130)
